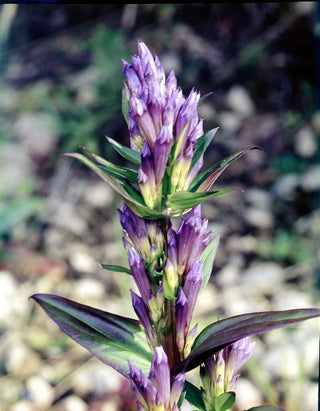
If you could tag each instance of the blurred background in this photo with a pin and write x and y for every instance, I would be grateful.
(61, 79)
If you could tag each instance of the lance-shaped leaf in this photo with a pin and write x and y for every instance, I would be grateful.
(122, 173)
(194, 396)
(115, 268)
(202, 144)
(205, 180)
(224, 401)
(111, 338)
(181, 200)
(136, 203)
(207, 257)
(222, 333)
(128, 153)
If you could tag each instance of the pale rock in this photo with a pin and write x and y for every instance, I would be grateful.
(290, 298)
(282, 361)
(285, 186)
(258, 218)
(229, 121)
(262, 277)
(97, 379)
(310, 398)
(310, 179)
(9, 289)
(22, 405)
(37, 133)
(244, 244)
(258, 198)
(305, 142)
(21, 360)
(229, 274)
(109, 406)
(81, 260)
(239, 100)
(39, 391)
(248, 395)
(89, 289)
(207, 302)
(66, 217)
(99, 195)
(11, 390)
(73, 403)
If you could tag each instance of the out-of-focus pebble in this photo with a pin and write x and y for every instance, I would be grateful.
(238, 99)
(39, 391)
(247, 394)
(305, 142)
(11, 390)
(310, 179)
(73, 403)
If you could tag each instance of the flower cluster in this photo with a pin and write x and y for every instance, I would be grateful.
(220, 372)
(162, 123)
(156, 393)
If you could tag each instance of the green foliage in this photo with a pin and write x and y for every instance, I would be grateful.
(286, 247)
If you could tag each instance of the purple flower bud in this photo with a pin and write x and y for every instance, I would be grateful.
(191, 288)
(142, 312)
(220, 372)
(176, 389)
(139, 274)
(235, 355)
(160, 374)
(133, 81)
(192, 239)
(181, 312)
(161, 153)
(142, 386)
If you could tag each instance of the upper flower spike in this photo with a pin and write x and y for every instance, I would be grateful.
(163, 125)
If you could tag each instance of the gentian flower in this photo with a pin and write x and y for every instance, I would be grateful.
(220, 372)
(155, 392)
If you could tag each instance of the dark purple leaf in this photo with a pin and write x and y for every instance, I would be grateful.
(111, 338)
(222, 333)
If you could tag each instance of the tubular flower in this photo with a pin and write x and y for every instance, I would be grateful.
(220, 373)
(144, 235)
(155, 392)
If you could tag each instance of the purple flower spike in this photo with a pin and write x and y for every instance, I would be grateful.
(142, 312)
(160, 374)
(139, 274)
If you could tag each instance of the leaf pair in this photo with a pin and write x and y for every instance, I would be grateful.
(125, 180)
(115, 339)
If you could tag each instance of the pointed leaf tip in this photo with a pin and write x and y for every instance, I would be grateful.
(111, 338)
